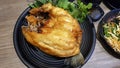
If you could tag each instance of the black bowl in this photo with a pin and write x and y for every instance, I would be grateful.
(112, 4)
(100, 32)
(96, 11)
(32, 57)
(95, 2)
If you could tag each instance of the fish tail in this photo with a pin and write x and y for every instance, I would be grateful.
(75, 61)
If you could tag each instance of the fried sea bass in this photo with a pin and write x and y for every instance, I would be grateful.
(55, 32)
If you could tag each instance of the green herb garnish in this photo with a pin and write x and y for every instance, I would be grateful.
(77, 9)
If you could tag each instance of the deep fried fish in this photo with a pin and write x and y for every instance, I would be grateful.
(54, 31)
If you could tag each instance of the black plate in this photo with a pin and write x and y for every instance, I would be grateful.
(100, 34)
(34, 58)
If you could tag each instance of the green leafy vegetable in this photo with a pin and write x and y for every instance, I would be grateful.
(63, 4)
(112, 29)
(77, 9)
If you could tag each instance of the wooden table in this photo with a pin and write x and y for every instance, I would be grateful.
(10, 11)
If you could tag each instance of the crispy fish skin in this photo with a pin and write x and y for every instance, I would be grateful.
(59, 36)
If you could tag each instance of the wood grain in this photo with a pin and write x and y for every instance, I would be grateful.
(9, 13)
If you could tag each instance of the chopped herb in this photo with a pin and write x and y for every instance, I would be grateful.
(77, 9)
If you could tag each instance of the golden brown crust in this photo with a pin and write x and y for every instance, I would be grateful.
(60, 35)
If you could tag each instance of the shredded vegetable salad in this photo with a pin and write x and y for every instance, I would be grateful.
(112, 33)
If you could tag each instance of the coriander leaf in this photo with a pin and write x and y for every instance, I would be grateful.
(89, 6)
(42, 1)
(54, 2)
(77, 9)
(31, 5)
(63, 4)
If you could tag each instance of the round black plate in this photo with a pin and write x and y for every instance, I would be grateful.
(100, 34)
(34, 58)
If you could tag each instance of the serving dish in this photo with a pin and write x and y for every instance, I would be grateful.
(32, 57)
(96, 11)
(100, 32)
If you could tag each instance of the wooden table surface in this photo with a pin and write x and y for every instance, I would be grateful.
(10, 11)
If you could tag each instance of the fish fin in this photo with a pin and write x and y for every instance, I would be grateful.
(75, 61)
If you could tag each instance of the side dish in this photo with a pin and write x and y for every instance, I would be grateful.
(112, 33)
